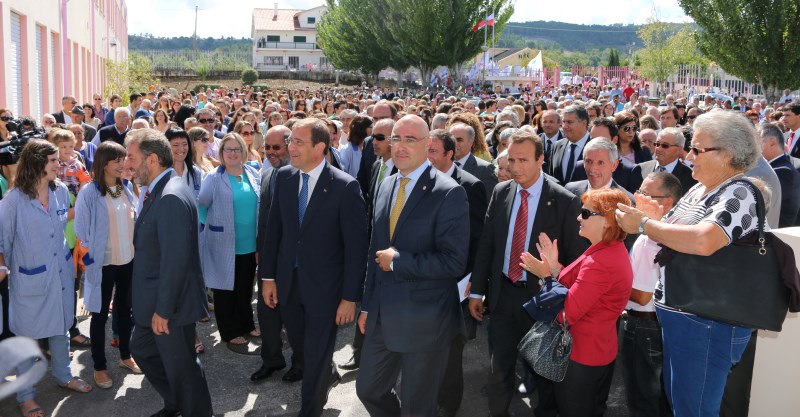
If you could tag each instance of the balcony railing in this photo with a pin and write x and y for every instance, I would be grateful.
(286, 45)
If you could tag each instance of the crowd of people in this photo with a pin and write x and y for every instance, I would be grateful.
(369, 206)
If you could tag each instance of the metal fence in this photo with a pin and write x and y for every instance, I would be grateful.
(702, 78)
(182, 62)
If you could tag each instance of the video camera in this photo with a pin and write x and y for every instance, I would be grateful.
(20, 134)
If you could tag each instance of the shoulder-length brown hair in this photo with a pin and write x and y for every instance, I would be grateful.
(107, 151)
(605, 201)
(31, 165)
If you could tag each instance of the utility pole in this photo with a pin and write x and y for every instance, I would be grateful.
(194, 43)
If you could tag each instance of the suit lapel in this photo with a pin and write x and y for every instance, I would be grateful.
(155, 192)
(512, 193)
(424, 184)
(318, 196)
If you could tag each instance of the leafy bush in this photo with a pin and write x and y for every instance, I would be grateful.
(249, 76)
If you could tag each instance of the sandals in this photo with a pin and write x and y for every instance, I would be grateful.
(78, 385)
(80, 341)
(33, 411)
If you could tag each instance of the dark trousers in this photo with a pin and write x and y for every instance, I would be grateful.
(736, 398)
(73, 331)
(309, 323)
(358, 343)
(642, 360)
(419, 388)
(4, 295)
(584, 390)
(270, 325)
(508, 324)
(451, 390)
(232, 308)
(118, 276)
(171, 365)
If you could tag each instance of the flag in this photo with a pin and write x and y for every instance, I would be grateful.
(490, 20)
(536, 63)
(479, 25)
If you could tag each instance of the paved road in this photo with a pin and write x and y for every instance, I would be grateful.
(233, 394)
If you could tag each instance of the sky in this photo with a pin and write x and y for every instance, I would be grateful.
(234, 17)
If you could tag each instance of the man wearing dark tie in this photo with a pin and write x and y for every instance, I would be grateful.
(518, 213)
(791, 119)
(773, 149)
(440, 154)
(551, 124)
(668, 149)
(382, 168)
(168, 287)
(568, 151)
(269, 319)
(312, 262)
(604, 127)
(418, 251)
(484, 171)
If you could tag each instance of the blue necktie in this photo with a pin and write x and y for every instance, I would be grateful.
(302, 202)
(570, 163)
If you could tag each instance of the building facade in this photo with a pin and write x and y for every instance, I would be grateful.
(286, 39)
(54, 48)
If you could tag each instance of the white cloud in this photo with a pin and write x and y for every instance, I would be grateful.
(234, 17)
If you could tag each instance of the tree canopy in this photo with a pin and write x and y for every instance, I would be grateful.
(756, 40)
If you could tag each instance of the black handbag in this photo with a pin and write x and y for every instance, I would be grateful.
(740, 284)
(547, 347)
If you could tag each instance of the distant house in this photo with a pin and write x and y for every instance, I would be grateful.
(286, 39)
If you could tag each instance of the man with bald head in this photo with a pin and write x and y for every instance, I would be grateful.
(418, 251)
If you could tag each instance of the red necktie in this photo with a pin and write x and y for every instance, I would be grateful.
(146, 194)
(518, 240)
(789, 144)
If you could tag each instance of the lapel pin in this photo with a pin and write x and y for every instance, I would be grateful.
(549, 203)
(324, 190)
(424, 187)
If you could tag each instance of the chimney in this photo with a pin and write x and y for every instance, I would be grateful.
(275, 13)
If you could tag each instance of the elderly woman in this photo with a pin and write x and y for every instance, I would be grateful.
(228, 207)
(33, 217)
(104, 216)
(501, 167)
(630, 147)
(599, 283)
(698, 351)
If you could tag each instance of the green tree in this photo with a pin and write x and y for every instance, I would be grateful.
(613, 58)
(666, 45)
(756, 40)
(249, 76)
(202, 67)
(126, 77)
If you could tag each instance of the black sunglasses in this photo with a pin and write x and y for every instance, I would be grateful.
(691, 117)
(6, 118)
(273, 147)
(696, 150)
(206, 120)
(379, 137)
(663, 145)
(586, 213)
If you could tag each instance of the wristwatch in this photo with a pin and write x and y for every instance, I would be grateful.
(641, 225)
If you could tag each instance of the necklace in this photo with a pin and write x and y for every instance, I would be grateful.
(115, 192)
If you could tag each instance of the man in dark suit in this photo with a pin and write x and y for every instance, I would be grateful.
(600, 160)
(418, 252)
(382, 110)
(269, 319)
(530, 205)
(668, 149)
(551, 124)
(440, 154)
(791, 119)
(381, 169)
(568, 151)
(484, 171)
(67, 102)
(168, 287)
(604, 127)
(774, 150)
(313, 257)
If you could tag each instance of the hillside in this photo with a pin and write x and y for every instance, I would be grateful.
(146, 41)
(570, 37)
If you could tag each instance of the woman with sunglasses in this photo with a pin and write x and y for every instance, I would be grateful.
(630, 147)
(699, 352)
(599, 284)
(228, 209)
(104, 218)
(246, 130)
(5, 117)
(199, 137)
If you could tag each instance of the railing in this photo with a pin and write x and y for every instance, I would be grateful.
(166, 61)
(286, 45)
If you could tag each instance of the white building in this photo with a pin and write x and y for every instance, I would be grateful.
(54, 48)
(286, 39)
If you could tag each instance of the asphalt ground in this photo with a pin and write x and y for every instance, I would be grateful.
(232, 393)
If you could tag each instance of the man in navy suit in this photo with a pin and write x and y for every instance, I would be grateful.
(410, 311)
(551, 124)
(568, 151)
(604, 127)
(312, 261)
(774, 150)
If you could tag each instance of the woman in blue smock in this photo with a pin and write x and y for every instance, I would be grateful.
(35, 256)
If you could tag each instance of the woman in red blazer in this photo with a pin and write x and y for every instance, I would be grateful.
(599, 283)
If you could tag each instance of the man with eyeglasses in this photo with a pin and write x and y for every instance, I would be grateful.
(642, 333)
(99, 107)
(410, 310)
(65, 116)
(692, 114)
(382, 110)
(312, 259)
(519, 212)
(380, 170)
(668, 150)
(207, 119)
(116, 131)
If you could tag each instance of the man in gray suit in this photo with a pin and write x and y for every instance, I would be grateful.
(168, 289)
(484, 171)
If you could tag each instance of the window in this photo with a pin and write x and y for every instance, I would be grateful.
(294, 62)
(300, 39)
(273, 60)
(273, 38)
(312, 20)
